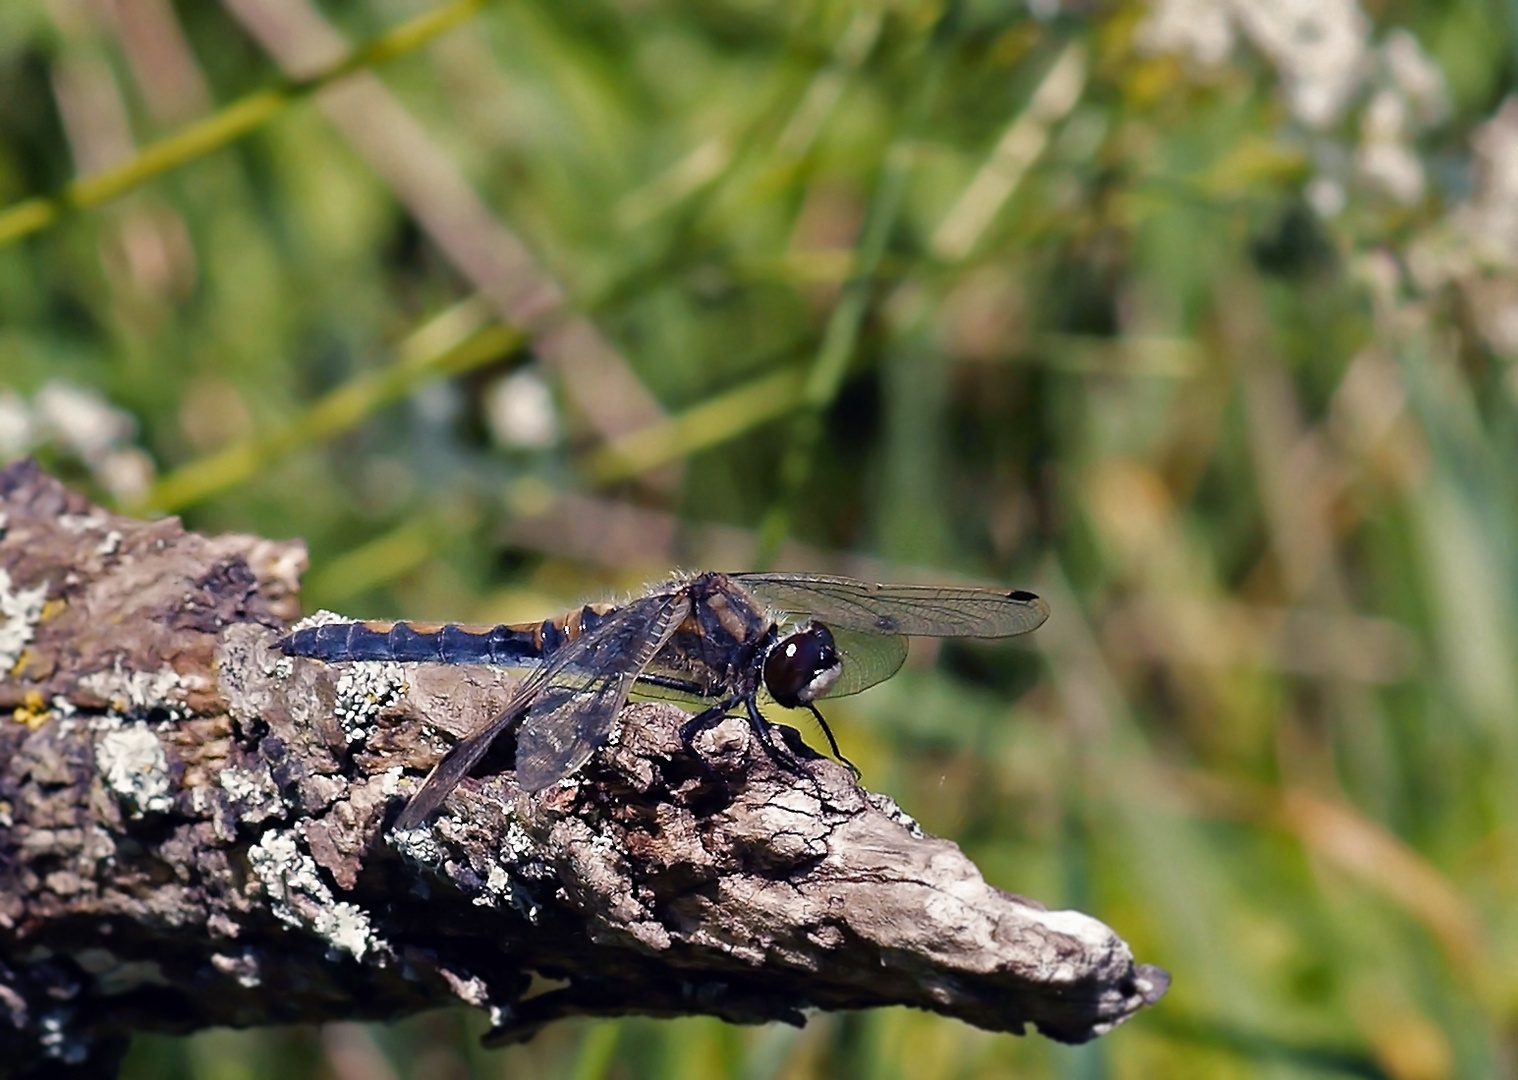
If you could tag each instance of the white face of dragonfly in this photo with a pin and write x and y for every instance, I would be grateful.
(800, 667)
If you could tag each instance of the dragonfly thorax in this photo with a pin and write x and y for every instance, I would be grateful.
(800, 667)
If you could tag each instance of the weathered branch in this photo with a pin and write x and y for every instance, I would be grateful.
(193, 832)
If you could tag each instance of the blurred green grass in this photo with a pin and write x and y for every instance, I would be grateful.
(1211, 340)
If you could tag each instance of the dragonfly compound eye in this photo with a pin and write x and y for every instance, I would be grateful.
(800, 667)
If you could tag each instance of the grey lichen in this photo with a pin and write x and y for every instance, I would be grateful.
(134, 766)
(362, 692)
(300, 898)
(418, 845)
(134, 693)
(20, 611)
(887, 806)
(253, 793)
(497, 886)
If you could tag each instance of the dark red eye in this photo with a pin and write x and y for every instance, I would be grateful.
(801, 666)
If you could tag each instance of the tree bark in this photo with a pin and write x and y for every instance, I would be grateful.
(193, 832)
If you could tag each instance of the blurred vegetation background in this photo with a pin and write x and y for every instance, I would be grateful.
(1199, 317)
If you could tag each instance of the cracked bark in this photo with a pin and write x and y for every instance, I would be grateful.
(193, 833)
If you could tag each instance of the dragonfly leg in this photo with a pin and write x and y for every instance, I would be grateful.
(785, 759)
(701, 721)
(832, 742)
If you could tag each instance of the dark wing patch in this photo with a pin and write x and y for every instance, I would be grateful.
(574, 711)
(926, 610)
(554, 731)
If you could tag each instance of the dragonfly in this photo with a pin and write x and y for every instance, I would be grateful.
(712, 641)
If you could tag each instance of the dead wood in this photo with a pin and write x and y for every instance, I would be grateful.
(193, 832)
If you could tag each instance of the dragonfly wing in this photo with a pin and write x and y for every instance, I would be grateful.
(573, 712)
(927, 610)
(569, 677)
(565, 725)
(672, 684)
(448, 773)
(867, 660)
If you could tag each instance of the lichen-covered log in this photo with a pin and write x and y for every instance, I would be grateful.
(193, 831)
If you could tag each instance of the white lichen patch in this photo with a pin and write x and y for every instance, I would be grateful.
(319, 618)
(347, 927)
(255, 797)
(503, 889)
(138, 691)
(132, 761)
(497, 887)
(887, 806)
(242, 967)
(20, 611)
(418, 844)
(300, 898)
(363, 691)
(79, 524)
(1090, 932)
(519, 845)
(98, 723)
(470, 989)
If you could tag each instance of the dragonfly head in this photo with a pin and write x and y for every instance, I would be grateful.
(801, 666)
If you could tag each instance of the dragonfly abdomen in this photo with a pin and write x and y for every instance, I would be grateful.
(441, 643)
(415, 643)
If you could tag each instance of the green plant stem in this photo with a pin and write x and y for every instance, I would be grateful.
(376, 563)
(714, 421)
(226, 126)
(342, 409)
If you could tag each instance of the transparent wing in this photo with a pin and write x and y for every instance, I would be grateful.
(571, 716)
(574, 711)
(658, 683)
(867, 660)
(447, 774)
(927, 610)
(575, 688)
